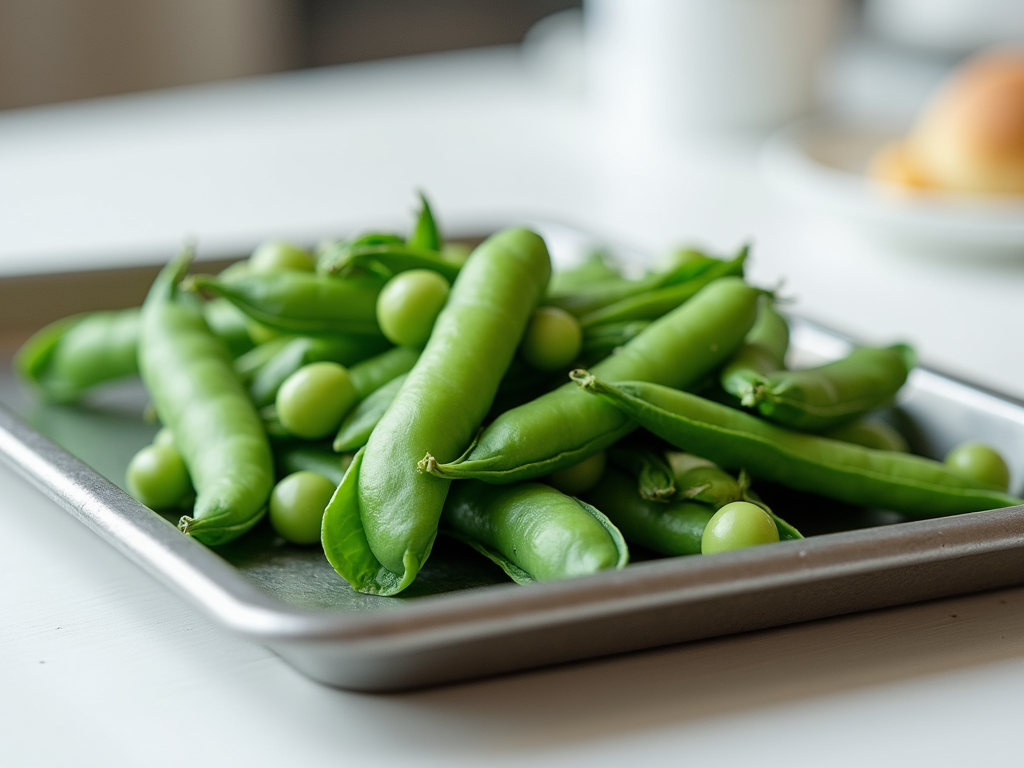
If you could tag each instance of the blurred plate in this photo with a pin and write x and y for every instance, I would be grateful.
(820, 164)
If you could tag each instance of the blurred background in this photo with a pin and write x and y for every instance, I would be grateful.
(59, 50)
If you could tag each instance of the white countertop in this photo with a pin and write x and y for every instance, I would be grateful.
(98, 663)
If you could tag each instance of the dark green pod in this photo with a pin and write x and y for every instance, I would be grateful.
(532, 531)
(816, 399)
(668, 529)
(851, 473)
(359, 424)
(653, 304)
(302, 303)
(763, 353)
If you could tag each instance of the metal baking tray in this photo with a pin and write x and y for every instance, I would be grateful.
(462, 619)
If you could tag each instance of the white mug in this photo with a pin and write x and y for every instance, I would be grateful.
(698, 66)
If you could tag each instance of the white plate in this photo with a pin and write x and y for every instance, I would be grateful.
(821, 164)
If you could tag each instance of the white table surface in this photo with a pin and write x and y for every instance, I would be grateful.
(101, 665)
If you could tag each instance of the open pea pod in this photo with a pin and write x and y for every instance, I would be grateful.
(533, 532)
(844, 471)
(381, 524)
(652, 304)
(763, 353)
(302, 303)
(654, 478)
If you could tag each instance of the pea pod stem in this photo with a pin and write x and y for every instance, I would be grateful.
(843, 471)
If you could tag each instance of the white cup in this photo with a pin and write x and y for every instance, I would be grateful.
(699, 66)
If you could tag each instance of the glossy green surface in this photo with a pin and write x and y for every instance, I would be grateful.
(737, 526)
(409, 304)
(313, 400)
(552, 340)
(297, 506)
(981, 463)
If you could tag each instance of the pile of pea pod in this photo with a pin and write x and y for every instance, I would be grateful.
(373, 392)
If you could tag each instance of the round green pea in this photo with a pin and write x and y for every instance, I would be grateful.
(579, 478)
(312, 401)
(276, 255)
(157, 477)
(979, 462)
(297, 506)
(736, 526)
(409, 304)
(552, 340)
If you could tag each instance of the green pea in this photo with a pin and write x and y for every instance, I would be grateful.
(297, 506)
(277, 256)
(980, 462)
(313, 400)
(736, 526)
(157, 477)
(409, 304)
(581, 477)
(552, 339)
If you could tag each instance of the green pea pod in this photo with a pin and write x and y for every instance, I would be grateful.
(360, 422)
(230, 324)
(197, 395)
(425, 235)
(653, 304)
(595, 268)
(387, 260)
(600, 341)
(668, 529)
(654, 478)
(302, 457)
(250, 363)
(71, 356)
(302, 303)
(304, 350)
(564, 426)
(380, 526)
(533, 532)
(763, 353)
(843, 471)
(591, 296)
(816, 399)
(710, 485)
(374, 372)
(871, 434)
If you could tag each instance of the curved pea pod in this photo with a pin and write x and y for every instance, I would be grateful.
(851, 473)
(533, 532)
(197, 395)
(653, 304)
(71, 356)
(654, 478)
(763, 353)
(816, 399)
(292, 457)
(595, 268)
(373, 373)
(380, 526)
(673, 529)
(711, 485)
(297, 352)
(600, 341)
(358, 425)
(302, 303)
(230, 324)
(565, 426)
(871, 434)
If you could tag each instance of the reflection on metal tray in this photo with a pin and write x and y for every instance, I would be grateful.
(463, 619)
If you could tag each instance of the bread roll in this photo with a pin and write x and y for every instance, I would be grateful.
(970, 139)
